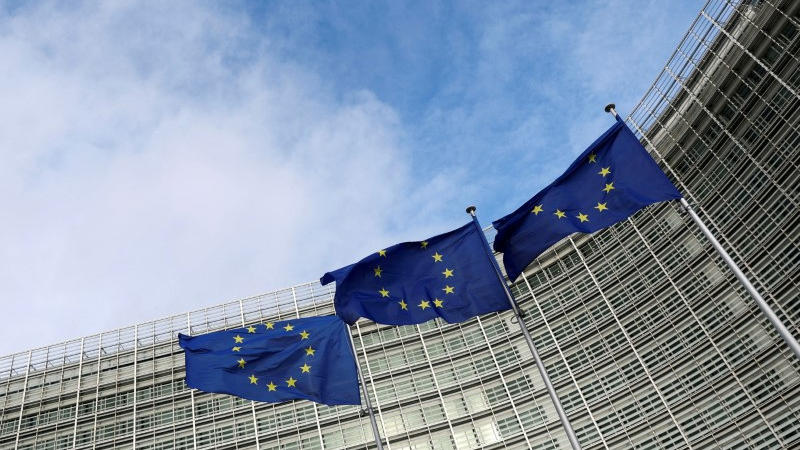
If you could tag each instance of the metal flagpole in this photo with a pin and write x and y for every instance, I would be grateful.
(702, 327)
(573, 440)
(762, 305)
(191, 391)
(765, 308)
(366, 394)
(566, 364)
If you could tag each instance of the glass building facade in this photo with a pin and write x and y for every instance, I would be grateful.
(650, 341)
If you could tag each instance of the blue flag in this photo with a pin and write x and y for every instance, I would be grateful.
(448, 276)
(612, 179)
(307, 358)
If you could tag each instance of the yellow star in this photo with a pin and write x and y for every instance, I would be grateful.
(271, 386)
(241, 362)
(448, 289)
(560, 214)
(536, 210)
(270, 326)
(447, 273)
(437, 257)
(377, 271)
(592, 157)
(609, 187)
(382, 253)
(290, 382)
(582, 217)
(310, 351)
(438, 303)
(251, 329)
(423, 244)
(253, 379)
(601, 206)
(305, 368)
(236, 349)
(304, 335)
(288, 327)
(604, 171)
(403, 305)
(238, 339)
(383, 292)
(424, 304)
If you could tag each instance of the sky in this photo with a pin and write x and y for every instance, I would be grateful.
(160, 157)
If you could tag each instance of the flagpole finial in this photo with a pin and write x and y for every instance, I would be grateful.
(471, 210)
(611, 108)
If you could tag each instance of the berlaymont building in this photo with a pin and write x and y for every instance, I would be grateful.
(647, 336)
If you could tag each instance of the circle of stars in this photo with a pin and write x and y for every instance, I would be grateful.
(424, 304)
(291, 382)
(600, 207)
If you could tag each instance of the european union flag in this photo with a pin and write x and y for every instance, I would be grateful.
(308, 358)
(612, 179)
(448, 276)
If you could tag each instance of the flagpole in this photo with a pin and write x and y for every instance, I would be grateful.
(765, 308)
(573, 440)
(762, 305)
(566, 364)
(372, 420)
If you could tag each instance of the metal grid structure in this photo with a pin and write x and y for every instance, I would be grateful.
(648, 338)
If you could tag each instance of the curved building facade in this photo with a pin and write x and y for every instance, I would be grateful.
(650, 341)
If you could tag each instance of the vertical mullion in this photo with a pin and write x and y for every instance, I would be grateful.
(97, 389)
(702, 328)
(8, 386)
(710, 219)
(748, 52)
(22, 402)
(503, 382)
(594, 324)
(135, 376)
(372, 383)
(630, 343)
(435, 383)
(724, 130)
(78, 397)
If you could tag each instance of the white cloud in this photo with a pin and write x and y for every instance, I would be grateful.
(159, 159)
(156, 158)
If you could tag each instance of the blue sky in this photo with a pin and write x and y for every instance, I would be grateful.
(492, 92)
(160, 157)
